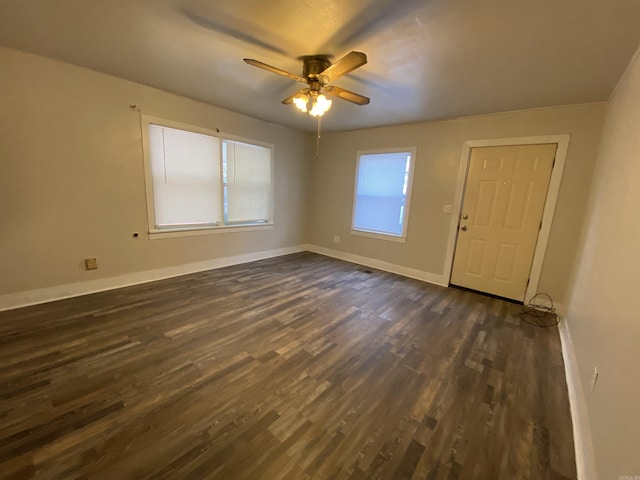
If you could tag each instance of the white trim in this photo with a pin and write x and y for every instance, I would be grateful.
(413, 151)
(59, 292)
(381, 265)
(163, 122)
(191, 232)
(549, 207)
(585, 460)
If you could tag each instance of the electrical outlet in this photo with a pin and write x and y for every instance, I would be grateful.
(594, 379)
(447, 208)
(91, 263)
(336, 239)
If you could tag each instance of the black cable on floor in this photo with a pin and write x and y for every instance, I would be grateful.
(539, 315)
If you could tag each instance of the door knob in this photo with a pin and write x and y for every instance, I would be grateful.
(465, 216)
(463, 228)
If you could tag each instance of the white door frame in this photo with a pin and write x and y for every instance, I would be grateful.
(549, 207)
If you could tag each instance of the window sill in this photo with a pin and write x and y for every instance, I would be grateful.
(380, 236)
(194, 231)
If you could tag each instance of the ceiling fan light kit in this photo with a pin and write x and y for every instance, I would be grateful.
(317, 73)
(314, 103)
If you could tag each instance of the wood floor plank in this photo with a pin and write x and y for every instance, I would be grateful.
(297, 367)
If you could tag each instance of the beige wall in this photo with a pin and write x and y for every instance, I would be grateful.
(602, 312)
(434, 184)
(73, 187)
(72, 179)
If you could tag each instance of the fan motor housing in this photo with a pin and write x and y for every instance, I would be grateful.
(313, 65)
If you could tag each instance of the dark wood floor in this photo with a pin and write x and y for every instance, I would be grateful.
(298, 367)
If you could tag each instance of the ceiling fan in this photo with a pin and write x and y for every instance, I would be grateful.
(318, 72)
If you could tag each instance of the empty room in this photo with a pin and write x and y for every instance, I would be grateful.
(373, 239)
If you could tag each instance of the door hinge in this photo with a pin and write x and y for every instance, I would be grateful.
(540, 227)
(528, 280)
(554, 163)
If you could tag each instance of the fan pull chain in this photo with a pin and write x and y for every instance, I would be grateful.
(318, 138)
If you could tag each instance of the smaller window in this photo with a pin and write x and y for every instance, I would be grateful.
(382, 192)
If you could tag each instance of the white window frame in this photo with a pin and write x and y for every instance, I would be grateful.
(402, 238)
(191, 230)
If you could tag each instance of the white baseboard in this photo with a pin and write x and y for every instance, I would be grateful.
(585, 461)
(381, 265)
(49, 294)
(59, 292)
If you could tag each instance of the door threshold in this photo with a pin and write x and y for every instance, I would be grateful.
(491, 295)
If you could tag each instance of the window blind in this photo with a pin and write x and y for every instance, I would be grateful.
(381, 192)
(185, 170)
(247, 181)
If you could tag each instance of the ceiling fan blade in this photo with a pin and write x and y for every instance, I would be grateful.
(269, 68)
(289, 100)
(346, 64)
(347, 95)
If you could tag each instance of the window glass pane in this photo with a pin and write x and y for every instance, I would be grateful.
(381, 192)
(185, 170)
(247, 182)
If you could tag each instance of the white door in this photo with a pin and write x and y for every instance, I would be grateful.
(502, 208)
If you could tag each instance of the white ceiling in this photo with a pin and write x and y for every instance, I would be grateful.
(428, 59)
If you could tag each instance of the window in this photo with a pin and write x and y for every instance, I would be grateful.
(382, 192)
(200, 180)
(247, 182)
